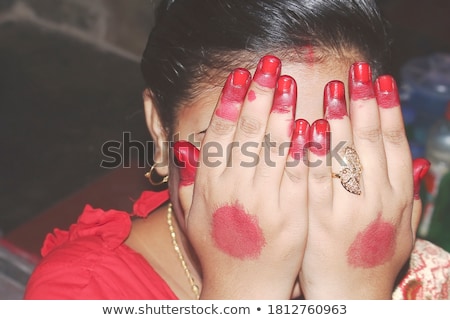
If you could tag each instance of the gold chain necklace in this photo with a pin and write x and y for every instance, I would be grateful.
(177, 249)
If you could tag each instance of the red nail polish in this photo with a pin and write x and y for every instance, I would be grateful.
(334, 101)
(386, 92)
(285, 98)
(187, 156)
(360, 82)
(319, 142)
(420, 170)
(233, 94)
(268, 71)
(299, 139)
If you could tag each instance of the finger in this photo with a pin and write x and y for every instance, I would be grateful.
(254, 115)
(295, 179)
(341, 134)
(278, 136)
(296, 165)
(187, 160)
(398, 155)
(421, 167)
(222, 127)
(319, 172)
(366, 126)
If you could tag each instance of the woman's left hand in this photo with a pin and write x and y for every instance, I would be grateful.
(360, 233)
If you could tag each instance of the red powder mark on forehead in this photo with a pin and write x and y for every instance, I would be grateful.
(310, 55)
(237, 233)
(374, 246)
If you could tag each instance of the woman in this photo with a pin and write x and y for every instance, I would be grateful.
(293, 193)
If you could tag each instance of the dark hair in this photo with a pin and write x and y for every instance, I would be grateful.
(193, 38)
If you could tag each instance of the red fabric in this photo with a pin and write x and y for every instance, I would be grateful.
(91, 261)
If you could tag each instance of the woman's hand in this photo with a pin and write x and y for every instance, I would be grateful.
(358, 242)
(246, 213)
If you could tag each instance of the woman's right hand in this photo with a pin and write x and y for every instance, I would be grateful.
(362, 223)
(246, 213)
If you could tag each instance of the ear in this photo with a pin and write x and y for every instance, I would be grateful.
(158, 133)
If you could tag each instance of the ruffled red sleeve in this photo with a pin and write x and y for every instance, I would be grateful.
(111, 226)
(91, 261)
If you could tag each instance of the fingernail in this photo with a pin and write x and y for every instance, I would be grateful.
(268, 71)
(300, 138)
(421, 167)
(334, 101)
(360, 82)
(187, 156)
(386, 92)
(285, 98)
(233, 94)
(319, 142)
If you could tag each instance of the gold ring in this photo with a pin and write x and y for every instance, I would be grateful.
(350, 175)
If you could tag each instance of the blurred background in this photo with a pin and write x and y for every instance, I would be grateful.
(70, 81)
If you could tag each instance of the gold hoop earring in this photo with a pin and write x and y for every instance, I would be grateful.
(149, 176)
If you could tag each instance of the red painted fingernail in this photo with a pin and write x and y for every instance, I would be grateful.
(268, 71)
(319, 142)
(386, 92)
(299, 139)
(334, 101)
(285, 98)
(360, 82)
(420, 170)
(187, 156)
(233, 94)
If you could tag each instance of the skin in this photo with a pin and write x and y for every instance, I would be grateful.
(308, 224)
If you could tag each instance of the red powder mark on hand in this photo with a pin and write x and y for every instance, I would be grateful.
(373, 246)
(233, 94)
(237, 233)
(299, 139)
(386, 92)
(334, 101)
(229, 110)
(267, 71)
(319, 138)
(362, 92)
(251, 96)
(285, 97)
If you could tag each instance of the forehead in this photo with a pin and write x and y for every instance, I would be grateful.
(311, 79)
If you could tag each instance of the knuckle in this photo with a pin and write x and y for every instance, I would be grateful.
(320, 177)
(371, 134)
(261, 90)
(221, 126)
(250, 126)
(295, 177)
(394, 136)
(275, 145)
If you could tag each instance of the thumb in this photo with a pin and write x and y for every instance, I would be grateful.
(187, 160)
(420, 170)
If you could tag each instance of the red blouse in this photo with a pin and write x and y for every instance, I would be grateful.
(91, 261)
